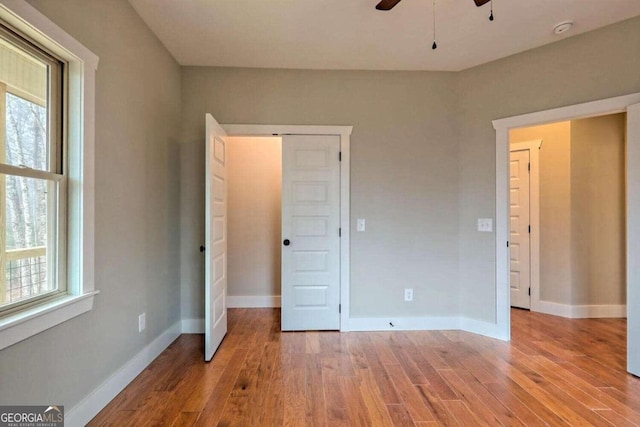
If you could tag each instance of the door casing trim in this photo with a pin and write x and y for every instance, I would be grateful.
(601, 107)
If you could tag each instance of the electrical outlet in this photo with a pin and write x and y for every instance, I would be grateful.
(142, 322)
(408, 294)
(485, 224)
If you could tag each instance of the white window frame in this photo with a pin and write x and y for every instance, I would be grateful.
(82, 65)
(51, 175)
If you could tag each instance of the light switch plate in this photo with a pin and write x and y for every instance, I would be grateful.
(361, 224)
(485, 224)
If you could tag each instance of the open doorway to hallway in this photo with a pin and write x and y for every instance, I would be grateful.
(567, 217)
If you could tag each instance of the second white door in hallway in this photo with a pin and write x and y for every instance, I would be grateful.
(520, 239)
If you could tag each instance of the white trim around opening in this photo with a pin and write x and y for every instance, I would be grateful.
(618, 104)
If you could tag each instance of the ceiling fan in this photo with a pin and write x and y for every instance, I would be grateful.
(389, 4)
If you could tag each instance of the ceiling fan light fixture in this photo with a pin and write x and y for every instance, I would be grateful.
(562, 27)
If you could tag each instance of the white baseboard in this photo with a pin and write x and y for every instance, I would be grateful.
(599, 311)
(262, 301)
(89, 407)
(581, 311)
(491, 330)
(193, 326)
(425, 324)
(358, 324)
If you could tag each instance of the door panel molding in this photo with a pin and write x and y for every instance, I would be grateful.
(310, 263)
(215, 238)
(534, 216)
(519, 226)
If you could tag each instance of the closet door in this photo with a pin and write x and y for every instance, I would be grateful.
(216, 237)
(310, 232)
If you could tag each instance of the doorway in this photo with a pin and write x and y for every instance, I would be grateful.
(570, 253)
(255, 205)
(311, 159)
(629, 104)
(284, 227)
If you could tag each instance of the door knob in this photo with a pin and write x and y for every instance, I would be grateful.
(286, 242)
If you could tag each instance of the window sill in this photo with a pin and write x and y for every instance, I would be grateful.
(26, 323)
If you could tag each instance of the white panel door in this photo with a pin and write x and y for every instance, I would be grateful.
(519, 241)
(216, 238)
(633, 239)
(310, 227)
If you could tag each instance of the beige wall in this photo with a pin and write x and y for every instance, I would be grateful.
(255, 202)
(598, 210)
(137, 208)
(403, 170)
(574, 70)
(555, 207)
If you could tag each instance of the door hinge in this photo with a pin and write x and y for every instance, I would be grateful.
(529, 229)
(339, 156)
(340, 232)
(529, 291)
(507, 243)
(529, 167)
(339, 308)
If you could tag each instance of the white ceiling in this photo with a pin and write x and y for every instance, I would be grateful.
(352, 34)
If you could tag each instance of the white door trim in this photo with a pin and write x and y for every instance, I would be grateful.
(345, 200)
(633, 237)
(502, 126)
(534, 216)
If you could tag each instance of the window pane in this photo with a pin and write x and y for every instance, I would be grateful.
(24, 82)
(27, 202)
(26, 133)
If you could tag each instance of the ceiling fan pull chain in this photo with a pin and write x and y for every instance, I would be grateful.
(434, 45)
(491, 15)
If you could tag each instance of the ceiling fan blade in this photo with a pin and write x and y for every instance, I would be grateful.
(481, 2)
(387, 4)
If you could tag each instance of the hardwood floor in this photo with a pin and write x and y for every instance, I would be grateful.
(554, 372)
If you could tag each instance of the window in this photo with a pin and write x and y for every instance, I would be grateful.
(32, 180)
(46, 174)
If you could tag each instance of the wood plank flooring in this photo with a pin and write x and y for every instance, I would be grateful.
(554, 372)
